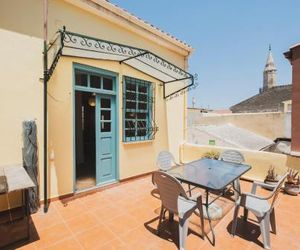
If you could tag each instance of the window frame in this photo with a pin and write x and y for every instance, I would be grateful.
(89, 87)
(149, 110)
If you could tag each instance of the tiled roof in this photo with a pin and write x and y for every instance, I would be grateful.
(228, 135)
(267, 101)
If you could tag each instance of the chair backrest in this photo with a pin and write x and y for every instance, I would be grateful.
(276, 190)
(165, 160)
(233, 156)
(169, 190)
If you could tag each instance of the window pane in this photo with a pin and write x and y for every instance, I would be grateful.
(142, 97)
(141, 124)
(142, 106)
(81, 79)
(105, 103)
(130, 104)
(95, 81)
(130, 124)
(107, 83)
(141, 115)
(130, 115)
(105, 126)
(130, 86)
(105, 114)
(141, 132)
(142, 89)
(130, 95)
(130, 133)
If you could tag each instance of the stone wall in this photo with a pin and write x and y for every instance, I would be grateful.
(271, 125)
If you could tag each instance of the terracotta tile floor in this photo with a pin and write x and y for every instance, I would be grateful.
(125, 217)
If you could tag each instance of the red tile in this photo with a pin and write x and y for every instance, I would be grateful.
(95, 237)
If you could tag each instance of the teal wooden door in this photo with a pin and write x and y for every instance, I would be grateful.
(105, 139)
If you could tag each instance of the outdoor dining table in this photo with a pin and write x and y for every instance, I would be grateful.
(212, 176)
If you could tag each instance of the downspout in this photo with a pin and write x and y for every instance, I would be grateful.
(45, 57)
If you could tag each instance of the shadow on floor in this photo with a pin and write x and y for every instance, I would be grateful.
(169, 230)
(33, 236)
(247, 230)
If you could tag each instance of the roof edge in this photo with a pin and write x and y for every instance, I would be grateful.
(289, 54)
(122, 17)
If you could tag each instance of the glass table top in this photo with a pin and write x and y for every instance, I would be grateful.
(208, 173)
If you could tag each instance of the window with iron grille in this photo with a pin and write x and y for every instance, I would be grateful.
(138, 110)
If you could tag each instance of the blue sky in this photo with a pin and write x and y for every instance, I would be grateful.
(230, 38)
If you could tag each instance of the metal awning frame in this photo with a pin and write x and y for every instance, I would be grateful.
(168, 72)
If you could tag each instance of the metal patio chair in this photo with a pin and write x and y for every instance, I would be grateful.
(233, 156)
(165, 161)
(174, 199)
(260, 207)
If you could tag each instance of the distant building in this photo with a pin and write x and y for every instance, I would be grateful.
(271, 98)
(199, 110)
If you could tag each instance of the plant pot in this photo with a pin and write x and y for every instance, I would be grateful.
(270, 182)
(291, 188)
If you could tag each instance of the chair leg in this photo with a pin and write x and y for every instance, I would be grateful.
(183, 230)
(265, 230)
(190, 191)
(201, 219)
(273, 221)
(235, 217)
(161, 215)
(245, 214)
(237, 189)
(171, 216)
(164, 214)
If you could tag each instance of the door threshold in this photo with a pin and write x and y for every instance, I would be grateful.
(95, 188)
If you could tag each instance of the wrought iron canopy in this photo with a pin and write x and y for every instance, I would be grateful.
(173, 78)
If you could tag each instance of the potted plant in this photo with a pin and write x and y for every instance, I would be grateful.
(211, 155)
(292, 184)
(272, 177)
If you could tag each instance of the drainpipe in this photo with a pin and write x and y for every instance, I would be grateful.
(45, 57)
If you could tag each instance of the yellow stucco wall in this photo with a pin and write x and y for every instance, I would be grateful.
(21, 95)
(20, 98)
(134, 158)
(258, 160)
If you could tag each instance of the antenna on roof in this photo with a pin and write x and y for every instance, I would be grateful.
(270, 47)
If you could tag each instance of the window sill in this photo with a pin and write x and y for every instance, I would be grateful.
(137, 142)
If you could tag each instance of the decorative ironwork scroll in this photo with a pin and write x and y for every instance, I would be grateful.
(73, 44)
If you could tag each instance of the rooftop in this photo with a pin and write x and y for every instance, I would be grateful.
(125, 217)
(230, 135)
(267, 101)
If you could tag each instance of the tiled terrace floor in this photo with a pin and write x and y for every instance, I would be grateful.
(115, 219)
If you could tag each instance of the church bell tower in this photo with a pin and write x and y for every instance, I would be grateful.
(269, 72)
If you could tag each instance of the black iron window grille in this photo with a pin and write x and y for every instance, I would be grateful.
(138, 110)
